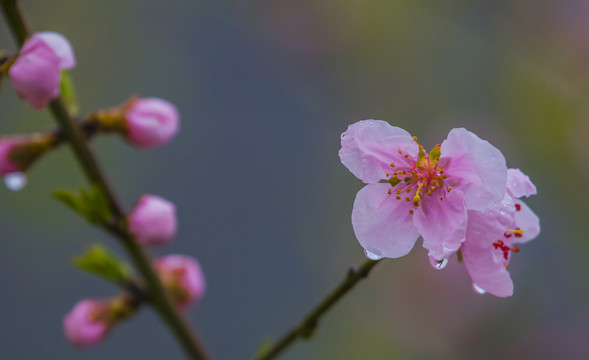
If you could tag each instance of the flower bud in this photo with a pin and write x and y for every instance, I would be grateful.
(153, 221)
(19, 152)
(35, 74)
(182, 277)
(87, 323)
(151, 122)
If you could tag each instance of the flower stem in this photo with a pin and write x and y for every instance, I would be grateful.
(306, 327)
(89, 164)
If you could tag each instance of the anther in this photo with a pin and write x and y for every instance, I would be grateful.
(518, 207)
(390, 191)
(400, 152)
(398, 192)
(514, 248)
(407, 199)
(392, 164)
(411, 211)
(398, 198)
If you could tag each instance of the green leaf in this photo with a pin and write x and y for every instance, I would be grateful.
(68, 93)
(98, 260)
(92, 205)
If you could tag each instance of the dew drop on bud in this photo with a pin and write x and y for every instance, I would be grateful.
(478, 289)
(15, 181)
(372, 256)
(438, 264)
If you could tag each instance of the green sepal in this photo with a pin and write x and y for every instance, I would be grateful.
(98, 260)
(68, 93)
(92, 205)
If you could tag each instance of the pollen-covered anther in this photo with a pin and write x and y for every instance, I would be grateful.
(390, 191)
(392, 165)
(514, 248)
(411, 211)
(517, 232)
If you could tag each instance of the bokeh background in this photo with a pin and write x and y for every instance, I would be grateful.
(265, 89)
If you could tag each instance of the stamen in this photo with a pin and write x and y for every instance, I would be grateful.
(518, 207)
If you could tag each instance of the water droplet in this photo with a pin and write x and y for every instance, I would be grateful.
(372, 256)
(438, 264)
(15, 181)
(478, 289)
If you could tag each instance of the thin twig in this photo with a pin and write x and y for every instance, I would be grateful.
(308, 324)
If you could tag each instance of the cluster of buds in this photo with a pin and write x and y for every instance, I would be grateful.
(37, 75)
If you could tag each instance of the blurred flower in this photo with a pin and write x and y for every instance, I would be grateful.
(411, 193)
(19, 152)
(87, 323)
(153, 221)
(182, 277)
(151, 122)
(36, 72)
(492, 233)
(144, 122)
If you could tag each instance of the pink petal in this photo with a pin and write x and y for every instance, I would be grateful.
(370, 146)
(519, 184)
(475, 166)
(442, 223)
(526, 219)
(60, 46)
(487, 270)
(383, 224)
(487, 226)
(35, 74)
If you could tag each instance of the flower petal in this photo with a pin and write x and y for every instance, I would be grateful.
(487, 270)
(487, 226)
(370, 146)
(35, 74)
(383, 224)
(526, 219)
(475, 166)
(60, 46)
(442, 224)
(519, 184)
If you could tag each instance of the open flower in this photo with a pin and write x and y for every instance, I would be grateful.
(412, 193)
(492, 234)
(36, 73)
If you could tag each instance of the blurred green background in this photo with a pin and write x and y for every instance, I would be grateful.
(265, 88)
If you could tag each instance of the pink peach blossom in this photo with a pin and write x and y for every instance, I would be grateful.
(85, 324)
(35, 74)
(411, 193)
(151, 122)
(7, 165)
(492, 234)
(153, 221)
(183, 277)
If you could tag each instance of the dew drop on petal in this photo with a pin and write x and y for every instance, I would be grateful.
(478, 289)
(372, 256)
(15, 181)
(438, 264)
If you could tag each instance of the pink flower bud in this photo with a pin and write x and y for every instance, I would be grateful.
(36, 72)
(7, 165)
(85, 325)
(182, 276)
(151, 122)
(153, 221)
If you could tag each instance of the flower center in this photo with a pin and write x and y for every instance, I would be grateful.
(425, 177)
